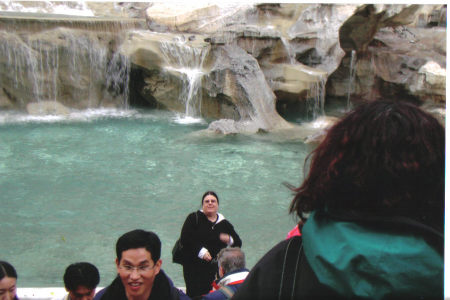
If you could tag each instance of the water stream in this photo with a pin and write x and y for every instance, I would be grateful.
(289, 50)
(188, 61)
(351, 79)
(78, 57)
(316, 99)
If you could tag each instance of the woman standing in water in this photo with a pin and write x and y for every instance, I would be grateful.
(204, 233)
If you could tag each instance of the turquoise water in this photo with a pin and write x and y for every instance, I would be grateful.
(71, 186)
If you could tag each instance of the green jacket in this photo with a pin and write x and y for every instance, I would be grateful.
(365, 262)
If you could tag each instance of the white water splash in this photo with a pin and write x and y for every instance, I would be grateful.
(187, 61)
(186, 120)
(316, 98)
(12, 117)
(290, 51)
(75, 8)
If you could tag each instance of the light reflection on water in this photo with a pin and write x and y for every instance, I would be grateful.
(72, 186)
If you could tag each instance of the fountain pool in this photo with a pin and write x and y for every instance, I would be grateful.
(72, 185)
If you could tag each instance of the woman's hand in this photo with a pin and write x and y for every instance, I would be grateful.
(225, 238)
(207, 256)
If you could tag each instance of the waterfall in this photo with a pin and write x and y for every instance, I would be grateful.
(289, 50)
(351, 78)
(187, 61)
(118, 77)
(70, 66)
(34, 62)
(316, 98)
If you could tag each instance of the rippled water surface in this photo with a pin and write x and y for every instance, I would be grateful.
(71, 186)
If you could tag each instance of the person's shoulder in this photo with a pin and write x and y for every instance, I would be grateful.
(113, 291)
(192, 217)
(178, 294)
(273, 259)
(164, 287)
(100, 293)
(216, 295)
(196, 214)
(191, 214)
(264, 278)
(223, 221)
(278, 251)
(182, 295)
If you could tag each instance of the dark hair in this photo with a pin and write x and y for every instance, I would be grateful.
(81, 274)
(210, 193)
(382, 158)
(231, 259)
(7, 270)
(139, 238)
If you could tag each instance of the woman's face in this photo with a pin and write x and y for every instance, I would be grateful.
(210, 205)
(8, 288)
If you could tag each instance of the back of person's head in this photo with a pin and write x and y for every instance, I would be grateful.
(139, 238)
(383, 158)
(81, 274)
(231, 259)
(7, 270)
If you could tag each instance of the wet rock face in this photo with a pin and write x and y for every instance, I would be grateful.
(62, 64)
(392, 44)
(232, 62)
(298, 45)
(403, 63)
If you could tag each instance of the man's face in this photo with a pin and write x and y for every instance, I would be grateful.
(82, 293)
(7, 288)
(137, 272)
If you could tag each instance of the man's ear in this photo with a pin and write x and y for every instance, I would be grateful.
(158, 266)
(117, 265)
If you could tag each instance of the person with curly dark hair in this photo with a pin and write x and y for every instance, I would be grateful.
(375, 198)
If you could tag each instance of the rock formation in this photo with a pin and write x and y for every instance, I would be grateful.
(244, 66)
(398, 55)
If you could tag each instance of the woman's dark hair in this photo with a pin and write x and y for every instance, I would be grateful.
(81, 274)
(7, 270)
(210, 193)
(139, 238)
(384, 158)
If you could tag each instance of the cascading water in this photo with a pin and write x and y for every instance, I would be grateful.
(28, 63)
(351, 78)
(289, 50)
(118, 77)
(316, 98)
(67, 65)
(188, 61)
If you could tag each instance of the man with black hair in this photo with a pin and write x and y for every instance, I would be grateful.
(80, 281)
(139, 273)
